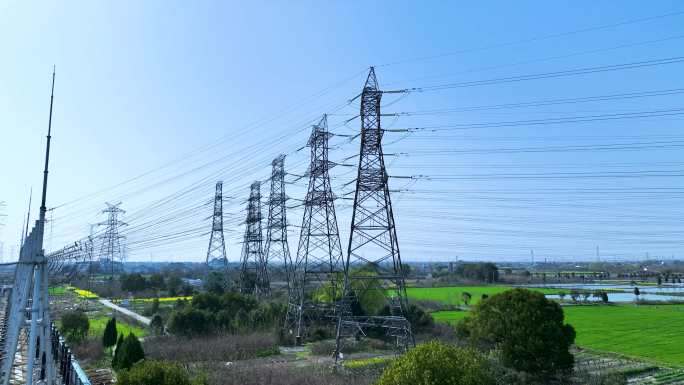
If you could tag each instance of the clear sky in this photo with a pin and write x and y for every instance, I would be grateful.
(179, 94)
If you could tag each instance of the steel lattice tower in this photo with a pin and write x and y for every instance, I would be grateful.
(110, 249)
(216, 253)
(253, 274)
(277, 249)
(319, 255)
(373, 259)
(32, 317)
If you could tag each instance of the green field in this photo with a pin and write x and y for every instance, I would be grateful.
(451, 295)
(449, 317)
(97, 326)
(650, 332)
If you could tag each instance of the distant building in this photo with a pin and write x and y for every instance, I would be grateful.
(196, 283)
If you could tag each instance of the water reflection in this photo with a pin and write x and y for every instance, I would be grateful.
(670, 292)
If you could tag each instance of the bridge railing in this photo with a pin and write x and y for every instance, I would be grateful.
(66, 365)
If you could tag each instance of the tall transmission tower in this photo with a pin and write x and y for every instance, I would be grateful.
(253, 273)
(111, 251)
(373, 260)
(319, 255)
(31, 281)
(277, 249)
(216, 254)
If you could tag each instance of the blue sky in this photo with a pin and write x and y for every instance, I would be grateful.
(220, 88)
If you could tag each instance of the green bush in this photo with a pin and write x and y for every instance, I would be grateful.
(209, 313)
(157, 373)
(435, 363)
(75, 325)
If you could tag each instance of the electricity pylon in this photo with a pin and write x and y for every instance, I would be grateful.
(216, 254)
(111, 250)
(277, 251)
(319, 255)
(31, 282)
(253, 273)
(373, 260)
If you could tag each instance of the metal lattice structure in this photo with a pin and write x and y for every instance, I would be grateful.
(216, 253)
(319, 255)
(253, 273)
(30, 347)
(373, 258)
(277, 251)
(111, 251)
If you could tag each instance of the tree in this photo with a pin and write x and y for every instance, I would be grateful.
(215, 283)
(484, 272)
(110, 334)
(574, 294)
(152, 308)
(157, 281)
(117, 349)
(133, 282)
(465, 296)
(157, 324)
(128, 353)
(586, 295)
(526, 328)
(190, 322)
(173, 285)
(75, 325)
(157, 373)
(435, 363)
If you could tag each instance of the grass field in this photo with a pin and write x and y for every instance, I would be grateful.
(451, 295)
(97, 326)
(449, 317)
(649, 332)
(652, 332)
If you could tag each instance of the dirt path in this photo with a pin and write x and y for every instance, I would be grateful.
(144, 320)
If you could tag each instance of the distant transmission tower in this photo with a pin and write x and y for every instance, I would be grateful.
(216, 254)
(373, 260)
(319, 255)
(90, 256)
(253, 274)
(111, 250)
(277, 249)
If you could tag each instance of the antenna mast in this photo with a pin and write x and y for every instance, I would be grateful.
(43, 210)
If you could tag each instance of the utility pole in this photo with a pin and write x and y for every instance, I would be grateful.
(216, 253)
(319, 255)
(277, 249)
(253, 273)
(111, 250)
(373, 249)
